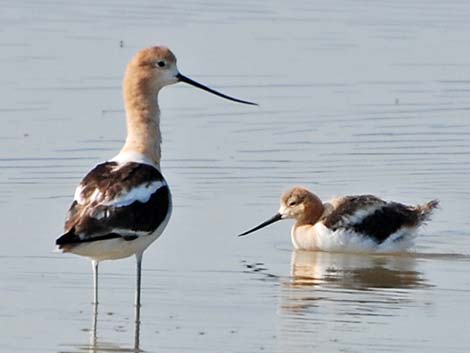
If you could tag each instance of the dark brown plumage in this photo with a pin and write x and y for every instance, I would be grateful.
(97, 218)
(379, 220)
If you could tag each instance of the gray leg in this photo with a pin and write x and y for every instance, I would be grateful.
(138, 257)
(94, 264)
(94, 328)
(137, 330)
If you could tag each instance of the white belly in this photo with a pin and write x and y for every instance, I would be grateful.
(304, 238)
(319, 237)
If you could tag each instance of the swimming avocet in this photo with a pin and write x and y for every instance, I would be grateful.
(123, 205)
(350, 223)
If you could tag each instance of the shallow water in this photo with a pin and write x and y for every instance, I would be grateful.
(355, 97)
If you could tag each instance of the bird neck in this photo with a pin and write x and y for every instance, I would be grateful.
(312, 213)
(143, 121)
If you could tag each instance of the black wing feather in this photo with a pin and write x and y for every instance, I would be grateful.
(83, 224)
(387, 220)
(384, 219)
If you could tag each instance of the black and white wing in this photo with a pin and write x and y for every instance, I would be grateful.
(115, 200)
(371, 216)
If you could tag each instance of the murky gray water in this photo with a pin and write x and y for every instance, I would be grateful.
(355, 97)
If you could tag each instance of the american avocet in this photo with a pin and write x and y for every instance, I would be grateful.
(349, 223)
(123, 205)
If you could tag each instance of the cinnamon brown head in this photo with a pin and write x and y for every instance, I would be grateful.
(297, 203)
(302, 205)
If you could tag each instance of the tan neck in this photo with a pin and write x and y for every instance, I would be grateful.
(143, 118)
(312, 212)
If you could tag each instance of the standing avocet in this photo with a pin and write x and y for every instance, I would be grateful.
(350, 223)
(123, 205)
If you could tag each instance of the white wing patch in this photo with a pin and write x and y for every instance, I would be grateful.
(358, 216)
(129, 232)
(96, 196)
(141, 193)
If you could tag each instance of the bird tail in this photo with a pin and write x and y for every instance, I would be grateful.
(425, 211)
(65, 241)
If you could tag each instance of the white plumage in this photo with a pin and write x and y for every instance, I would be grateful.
(140, 193)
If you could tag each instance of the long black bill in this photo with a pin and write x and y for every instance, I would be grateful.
(187, 80)
(275, 218)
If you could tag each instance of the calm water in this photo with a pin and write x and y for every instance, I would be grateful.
(355, 97)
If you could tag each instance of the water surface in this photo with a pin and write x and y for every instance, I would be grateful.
(355, 97)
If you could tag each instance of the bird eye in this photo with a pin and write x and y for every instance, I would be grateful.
(161, 63)
(292, 203)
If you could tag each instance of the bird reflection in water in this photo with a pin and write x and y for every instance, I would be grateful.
(348, 278)
(97, 346)
(354, 271)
